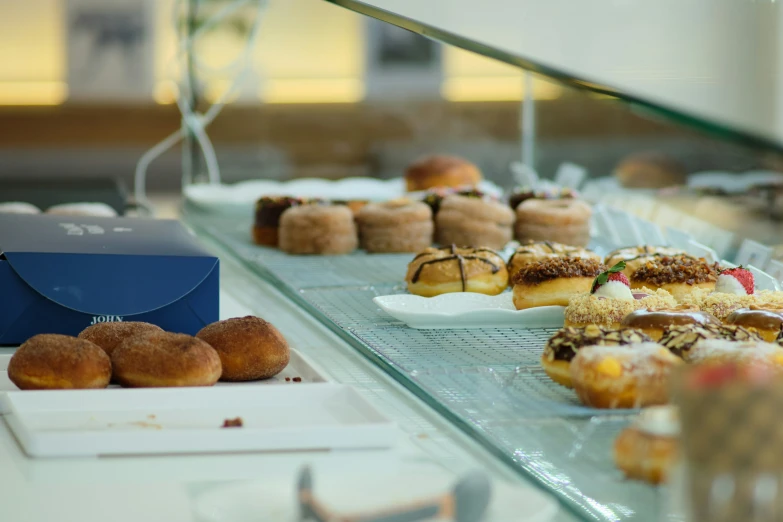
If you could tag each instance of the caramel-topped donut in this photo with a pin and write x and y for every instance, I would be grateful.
(679, 275)
(399, 225)
(553, 281)
(561, 348)
(626, 376)
(636, 257)
(531, 251)
(450, 269)
(766, 321)
(441, 171)
(681, 338)
(59, 362)
(563, 220)
(654, 321)
(464, 220)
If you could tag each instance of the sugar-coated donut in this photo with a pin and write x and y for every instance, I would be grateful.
(626, 376)
(399, 225)
(267, 217)
(437, 271)
(249, 348)
(719, 351)
(765, 320)
(679, 275)
(561, 348)
(318, 229)
(563, 220)
(109, 335)
(520, 194)
(162, 359)
(82, 209)
(650, 170)
(531, 251)
(18, 207)
(655, 320)
(472, 221)
(441, 171)
(59, 362)
(679, 339)
(554, 281)
(636, 256)
(585, 309)
(647, 449)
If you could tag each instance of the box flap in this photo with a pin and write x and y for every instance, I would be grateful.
(100, 284)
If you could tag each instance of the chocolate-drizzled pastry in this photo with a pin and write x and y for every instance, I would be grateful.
(767, 321)
(438, 271)
(681, 338)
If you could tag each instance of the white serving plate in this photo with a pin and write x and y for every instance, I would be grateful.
(348, 493)
(79, 423)
(240, 197)
(468, 310)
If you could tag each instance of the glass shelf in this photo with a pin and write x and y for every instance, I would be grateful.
(710, 64)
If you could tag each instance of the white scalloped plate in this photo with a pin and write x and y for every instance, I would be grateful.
(468, 310)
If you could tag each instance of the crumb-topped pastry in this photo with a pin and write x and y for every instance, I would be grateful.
(636, 256)
(681, 338)
(626, 376)
(437, 271)
(678, 275)
(554, 281)
(561, 348)
(610, 299)
(647, 449)
(531, 251)
(653, 321)
(766, 320)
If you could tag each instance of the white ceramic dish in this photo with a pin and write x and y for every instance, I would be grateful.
(239, 198)
(468, 310)
(79, 423)
(348, 493)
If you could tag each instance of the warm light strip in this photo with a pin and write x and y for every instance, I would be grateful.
(33, 93)
(312, 90)
(494, 88)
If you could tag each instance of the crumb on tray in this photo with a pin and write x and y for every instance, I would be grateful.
(233, 423)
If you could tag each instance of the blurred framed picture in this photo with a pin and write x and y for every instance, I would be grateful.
(401, 64)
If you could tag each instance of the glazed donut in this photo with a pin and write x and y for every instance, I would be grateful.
(82, 209)
(437, 271)
(719, 351)
(267, 217)
(59, 362)
(563, 220)
(635, 257)
(554, 281)
(470, 221)
(395, 226)
(679, 339)
(647, 449)
(766, 321)
(561, 348)
(626, 376)
(587, 308)
(162, 359)
(441, 171)
(318, 229)
(654, 321)
(249, 348)
(18, 207)
(108, 335)
(531, 251)
(679, 275)
(650, 170)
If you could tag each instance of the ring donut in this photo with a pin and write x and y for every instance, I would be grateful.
(395, 226)
(469, 221)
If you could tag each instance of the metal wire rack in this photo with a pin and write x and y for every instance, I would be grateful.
(487, 381)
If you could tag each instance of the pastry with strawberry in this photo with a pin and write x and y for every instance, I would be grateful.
(735, 289)
(610, 299)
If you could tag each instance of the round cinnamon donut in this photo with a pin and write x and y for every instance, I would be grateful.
(395, 226)
(59, 362)
(318, 229)
(650, 170)
(162, 359)
(562, 220)
(437, 271)
(108, 335)
(441, 171)
(249, 348)
(470, 221)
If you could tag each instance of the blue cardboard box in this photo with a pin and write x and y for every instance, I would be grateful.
(60, 274)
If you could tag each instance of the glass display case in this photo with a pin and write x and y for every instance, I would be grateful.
(672, 130)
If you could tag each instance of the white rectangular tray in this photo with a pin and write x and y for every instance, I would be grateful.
(189, 420)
